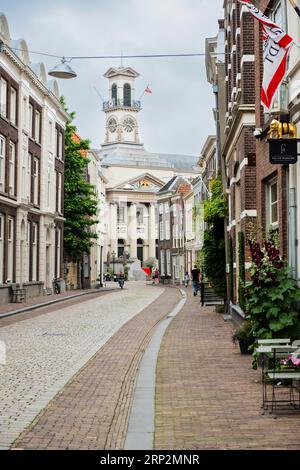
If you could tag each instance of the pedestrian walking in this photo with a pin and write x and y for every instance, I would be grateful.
(186, 279)
(155, 277)
(195, 279)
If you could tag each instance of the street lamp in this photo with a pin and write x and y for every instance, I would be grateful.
(62, 70)
(113, 261)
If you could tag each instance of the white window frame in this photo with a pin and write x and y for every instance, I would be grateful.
(270, 204)
(59, 193)
(162, 262)
(10, 248)
(35, 169)
(167, 229)
(3, 97)
(168, 258)
(37, 118)
(30, 120)
(12, 168)
(34, 244)
(13, 106)
(121, 214)
(161, 230)
(2, 162)
(58, 248)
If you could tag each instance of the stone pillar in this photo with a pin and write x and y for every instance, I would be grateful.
(132, 231)
(113, 223)
(151, 231)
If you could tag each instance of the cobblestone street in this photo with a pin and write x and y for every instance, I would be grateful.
(43, 353)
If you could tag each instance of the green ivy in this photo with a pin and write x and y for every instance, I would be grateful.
(242, 272)
(215, 210)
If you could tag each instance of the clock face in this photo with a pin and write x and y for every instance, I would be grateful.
(128, 124)
(112, 125)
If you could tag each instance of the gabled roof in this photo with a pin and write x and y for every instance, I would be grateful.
(174, 184)
(143, 182)
(125, 71)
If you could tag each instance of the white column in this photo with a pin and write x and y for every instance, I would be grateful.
(151, 231)
(132, 231)
(113, 222)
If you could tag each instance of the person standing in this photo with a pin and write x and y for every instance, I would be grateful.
(186, 279)
(195, 278)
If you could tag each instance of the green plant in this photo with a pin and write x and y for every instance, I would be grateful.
(242, 273)
(213, 251)
(80, 201)
(244, 332)
(271, 294)
(150, 263)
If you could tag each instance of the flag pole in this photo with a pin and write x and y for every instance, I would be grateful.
(297, 10)
(143, 93)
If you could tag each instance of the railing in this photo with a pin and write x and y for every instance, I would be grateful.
(113, 103)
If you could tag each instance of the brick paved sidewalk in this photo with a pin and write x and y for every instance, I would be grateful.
(9, 307)
(91, 412)
(207, 395)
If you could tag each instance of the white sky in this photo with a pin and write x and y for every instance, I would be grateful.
(177, 116)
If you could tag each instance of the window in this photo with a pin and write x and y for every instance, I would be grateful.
(127, 94)
(25, 175)
(167, 229)
(59, 192)
(60, 145)
(37, 126)
(2, 162)
(50, 132)
(10, 249)
(161, 230)
(1, 247)
(30, 127)
(139, 215)
(12, 169)
(34, 251)
(3, 97)
(58, 252)
(168, 253)
(49, 186)
(121, 247)
(13, 106)
(35, 181)
(121, 214)
(25, 114)
(114, 93)
(162, 262)
(271, 204)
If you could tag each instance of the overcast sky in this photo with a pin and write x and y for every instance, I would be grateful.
(177, 116)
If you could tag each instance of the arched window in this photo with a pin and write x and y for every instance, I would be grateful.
(114, 93)
(127, 94)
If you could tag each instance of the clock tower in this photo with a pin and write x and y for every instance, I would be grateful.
(122, 107)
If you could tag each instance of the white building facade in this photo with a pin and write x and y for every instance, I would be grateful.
(32, 123)
(134, 176)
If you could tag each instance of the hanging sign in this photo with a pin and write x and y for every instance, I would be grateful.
(283, 151)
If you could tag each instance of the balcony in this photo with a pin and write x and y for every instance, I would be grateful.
(113, 104)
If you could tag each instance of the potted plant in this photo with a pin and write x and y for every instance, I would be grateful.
(243, 336)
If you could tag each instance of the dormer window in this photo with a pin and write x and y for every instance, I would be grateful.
(114, 93)
(127, 94)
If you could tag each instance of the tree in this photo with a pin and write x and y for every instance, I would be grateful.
(80, 201)
(215, 209)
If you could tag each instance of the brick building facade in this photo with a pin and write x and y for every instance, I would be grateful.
(238, 149)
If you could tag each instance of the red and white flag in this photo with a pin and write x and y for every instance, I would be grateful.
(276, 48)
(147, 89)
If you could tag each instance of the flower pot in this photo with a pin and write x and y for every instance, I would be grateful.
(244, 345)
